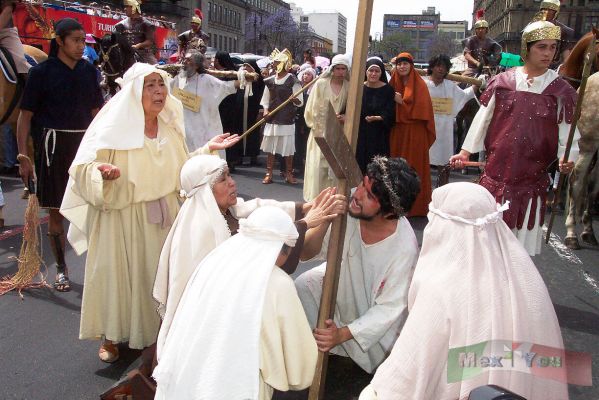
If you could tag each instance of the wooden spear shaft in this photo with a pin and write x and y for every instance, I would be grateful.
(586, 72)
(277, 109)
(173, 69)
(455, 78)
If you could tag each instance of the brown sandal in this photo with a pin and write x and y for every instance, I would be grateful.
(289, 178)
(267, 178)
(108, 352)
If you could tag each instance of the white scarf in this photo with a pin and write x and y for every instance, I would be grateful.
(197, 230)
(213, 347)
(118, 126)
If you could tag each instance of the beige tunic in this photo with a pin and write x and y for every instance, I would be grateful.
(124, 246)
(287, 348)
(317, 174)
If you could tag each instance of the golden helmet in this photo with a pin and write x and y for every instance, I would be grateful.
(538, 30)
(284, 58)
(550, 5)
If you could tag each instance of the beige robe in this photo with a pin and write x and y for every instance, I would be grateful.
(124, 247)
(287, 348)
(317, 174)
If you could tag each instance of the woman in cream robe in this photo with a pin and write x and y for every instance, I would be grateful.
(317, 174)
(123, 222)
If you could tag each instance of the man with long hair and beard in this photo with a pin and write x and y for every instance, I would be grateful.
(379, 254)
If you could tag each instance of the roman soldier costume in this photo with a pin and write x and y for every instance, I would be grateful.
(486, 51)
(195, 34)
(522, 138)
(137, 29)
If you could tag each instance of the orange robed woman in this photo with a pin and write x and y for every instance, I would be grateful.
(414, 132)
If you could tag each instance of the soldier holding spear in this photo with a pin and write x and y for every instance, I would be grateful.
(523, 123)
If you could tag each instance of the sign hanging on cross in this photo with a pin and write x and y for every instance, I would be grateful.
(338, 145)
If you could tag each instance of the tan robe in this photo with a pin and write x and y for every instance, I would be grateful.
(317, 174)
(287, 348)
(124, 246)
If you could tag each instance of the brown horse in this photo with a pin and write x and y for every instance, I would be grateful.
(586, 173)
(8, 89)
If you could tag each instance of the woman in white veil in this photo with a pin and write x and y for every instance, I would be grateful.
(474, 283)
(121, 199)
(240, 329)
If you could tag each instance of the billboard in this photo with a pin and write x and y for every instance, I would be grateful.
(427, 24)
(393, 23)
(36, 26)
(409, 24)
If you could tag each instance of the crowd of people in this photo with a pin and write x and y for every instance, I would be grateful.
(178, 266)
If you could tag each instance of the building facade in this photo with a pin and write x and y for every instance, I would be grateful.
(456, 29)
(331, 25)
(320, 45)
(421, 29)
(224, 21)
(507, 18)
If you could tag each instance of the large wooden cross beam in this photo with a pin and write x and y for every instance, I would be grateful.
(338, 145)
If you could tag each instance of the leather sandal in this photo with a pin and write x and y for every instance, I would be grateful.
(108, 352)
(267, 178)
(289, 178)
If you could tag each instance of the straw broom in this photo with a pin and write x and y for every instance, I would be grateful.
(29, 259)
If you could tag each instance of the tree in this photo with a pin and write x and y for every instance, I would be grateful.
(444, 43)
(392, 45)
(265, 32)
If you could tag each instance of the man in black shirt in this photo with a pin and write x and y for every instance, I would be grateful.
(63, 95)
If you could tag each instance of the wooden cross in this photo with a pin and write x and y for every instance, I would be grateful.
(338, 145)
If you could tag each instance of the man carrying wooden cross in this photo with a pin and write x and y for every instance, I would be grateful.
(379, 254)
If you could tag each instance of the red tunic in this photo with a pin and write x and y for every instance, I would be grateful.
(522, 142)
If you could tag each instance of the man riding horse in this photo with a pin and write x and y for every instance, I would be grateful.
(195, 34)
(138, 32)
(9, 38)
(550, 10)
(480, 50)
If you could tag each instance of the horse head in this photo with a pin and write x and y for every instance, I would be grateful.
(571, 69)
(116, 56)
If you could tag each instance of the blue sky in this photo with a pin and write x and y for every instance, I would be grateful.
(450, 10)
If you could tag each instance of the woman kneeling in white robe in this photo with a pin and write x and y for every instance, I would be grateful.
(240, 329)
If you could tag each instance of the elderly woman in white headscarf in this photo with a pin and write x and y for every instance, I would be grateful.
(240, 329)
(486, 290)
(332, 87)
(209, 216)
(121, 200)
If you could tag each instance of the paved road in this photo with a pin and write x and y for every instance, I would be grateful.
(42, 359)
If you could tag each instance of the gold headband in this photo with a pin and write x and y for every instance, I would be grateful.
(539, 30)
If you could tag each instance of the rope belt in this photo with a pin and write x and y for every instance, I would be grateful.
(50, 132)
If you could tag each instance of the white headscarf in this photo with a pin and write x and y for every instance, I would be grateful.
(339, 59)
(212, 350)
(118, 126)
(486, 289)
(198, 229)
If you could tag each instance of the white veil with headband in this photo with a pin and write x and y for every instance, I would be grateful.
(213, 348)
(474, 282)
(118, 126)
(197, 230)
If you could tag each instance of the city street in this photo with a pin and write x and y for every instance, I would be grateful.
(41, 357)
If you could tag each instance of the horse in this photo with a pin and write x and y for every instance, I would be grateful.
(584, 180)
(116, 56)
(10, 92)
